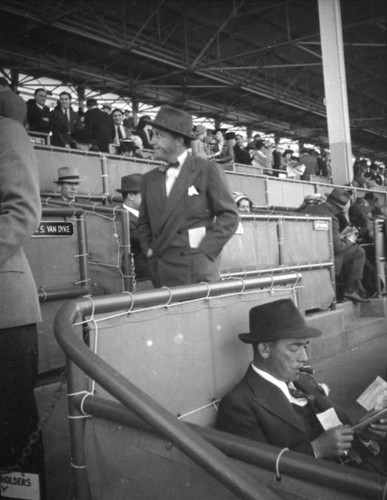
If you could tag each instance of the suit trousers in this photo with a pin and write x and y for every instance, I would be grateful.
(18, 412)
(351, 263)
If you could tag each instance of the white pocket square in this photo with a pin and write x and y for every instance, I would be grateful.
(192, 191)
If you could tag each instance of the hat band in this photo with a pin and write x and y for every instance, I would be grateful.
(69, 177)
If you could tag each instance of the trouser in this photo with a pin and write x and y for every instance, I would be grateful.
(352, 265)
(18, 412)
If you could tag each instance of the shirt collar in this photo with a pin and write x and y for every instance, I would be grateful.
(181, 159)
(131, 210)
(280, 384)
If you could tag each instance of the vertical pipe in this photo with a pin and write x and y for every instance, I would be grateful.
(377, 235)
(105, 175)
(126, 261)
(83, 252)
(332, 259)
(281, 236)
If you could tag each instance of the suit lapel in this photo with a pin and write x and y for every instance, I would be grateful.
(157, 193)
(273, 400)
(187, 174)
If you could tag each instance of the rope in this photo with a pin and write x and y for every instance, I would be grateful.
(277, 472)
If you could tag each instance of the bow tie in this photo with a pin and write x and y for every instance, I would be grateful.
(175, 164)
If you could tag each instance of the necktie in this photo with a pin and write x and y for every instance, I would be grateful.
(119, 133)
(296, 393)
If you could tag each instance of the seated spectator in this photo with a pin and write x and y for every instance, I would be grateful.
(276, 403)
(131, 201)
(241, 155)
(217, 144)
(38, 114)
(199, 145)
(63, 122)
(243, 203)
(99, 129)
(359, 179)
(374, 208)
(226, 156)
(322, 164)
(290, 165)
(263, 157)
(144, 131)
(68, 180)
(123, 140)
(373, 177)
(12, 105)
(349, 256)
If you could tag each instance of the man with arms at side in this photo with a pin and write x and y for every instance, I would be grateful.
(274, 403)
(131, 202)
(63, 122)
(99, 128)
(19, 306)
(38, 114)
(187, 212)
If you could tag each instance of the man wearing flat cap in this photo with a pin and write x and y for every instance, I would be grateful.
(131, 201)
(349, 256)
(187, 212)
(276, 404)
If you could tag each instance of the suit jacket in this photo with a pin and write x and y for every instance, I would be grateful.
(99, 129)
(38, 118)
(258, 410)
(311, 166)
(165, 223)
(62, 128)
(144, 137)
(140, 261)
(19, 218)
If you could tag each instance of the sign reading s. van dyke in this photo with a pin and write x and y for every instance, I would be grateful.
(21, 486)
(47, 228)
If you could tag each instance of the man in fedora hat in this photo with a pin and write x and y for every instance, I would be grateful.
(349, 256)
(131, 201)
(187, 212)
(275, 403)
(68, 180)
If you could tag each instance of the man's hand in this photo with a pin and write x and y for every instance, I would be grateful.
(333, 443)
(377, 430)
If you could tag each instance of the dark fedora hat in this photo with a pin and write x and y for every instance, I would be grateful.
(370, 196)
(173, 120)
(130, 183)
(339, 197)
(229, 135)
(277, 320)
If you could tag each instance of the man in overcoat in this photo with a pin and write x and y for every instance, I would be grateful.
(19, 306)
(187, 212)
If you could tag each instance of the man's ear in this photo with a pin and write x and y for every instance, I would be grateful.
(264, 350)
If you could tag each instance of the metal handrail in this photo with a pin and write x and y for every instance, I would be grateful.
(231, 475)
(320, 472)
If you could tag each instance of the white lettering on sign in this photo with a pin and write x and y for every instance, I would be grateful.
(321, 225)
(55, 229)
(22, 486)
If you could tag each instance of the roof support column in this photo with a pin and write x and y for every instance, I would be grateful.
(335, 90)
(135, 110)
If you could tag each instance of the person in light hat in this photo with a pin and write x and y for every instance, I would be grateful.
(198, 145)
(187, 212)
(276, 403)
(349, 256)
(68, 180)
(243, 203)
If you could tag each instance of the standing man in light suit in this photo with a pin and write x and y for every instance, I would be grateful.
(187, 212)
(19, 306)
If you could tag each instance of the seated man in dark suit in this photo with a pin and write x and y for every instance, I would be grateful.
(276, 404)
